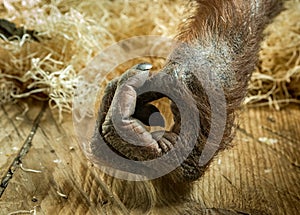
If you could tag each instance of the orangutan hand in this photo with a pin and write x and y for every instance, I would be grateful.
(122, 122)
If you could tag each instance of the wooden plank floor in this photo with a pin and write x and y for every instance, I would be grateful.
(260, 174)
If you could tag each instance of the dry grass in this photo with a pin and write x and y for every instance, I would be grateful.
(275, 81)
(72, 32)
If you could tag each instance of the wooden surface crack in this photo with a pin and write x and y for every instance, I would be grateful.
(23, 151)
(279, 134)
(228, 180)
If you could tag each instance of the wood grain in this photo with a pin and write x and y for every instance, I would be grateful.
(254, 176)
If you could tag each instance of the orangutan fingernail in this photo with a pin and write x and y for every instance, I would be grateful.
(144, 66)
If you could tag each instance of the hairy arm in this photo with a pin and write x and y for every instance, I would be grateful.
(209, 70)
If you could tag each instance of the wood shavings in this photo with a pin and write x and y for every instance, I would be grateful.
(29, 170)
(268, 141)
(268, 170)
(11, 32)
(57, 161)
(76, 31)
(15, 148)
(75, 34)
(276, 79)
(24, 212)
(62, 195)
(7, 89)
(22, 115)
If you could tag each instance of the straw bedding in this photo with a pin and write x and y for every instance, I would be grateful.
(70, 33)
